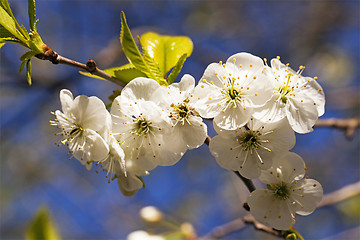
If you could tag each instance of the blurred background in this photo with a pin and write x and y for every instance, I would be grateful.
(322, 35)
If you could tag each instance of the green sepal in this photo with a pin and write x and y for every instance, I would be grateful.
(166, 50)
(42, 226)
(131, 50)
(22, 65)
(28, 71)
(176, 70)
(27, 55)
(32, 15)
(36, 43)
(142, 180)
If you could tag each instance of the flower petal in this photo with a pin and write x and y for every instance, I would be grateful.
(66, 99)
(302, 114)
(233, 118)
(307, 193)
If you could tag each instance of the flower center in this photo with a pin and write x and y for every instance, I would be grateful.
(73, 133)
(143, 126)
(233, 93)
(280, 190)
(249, 140)
(182, 111)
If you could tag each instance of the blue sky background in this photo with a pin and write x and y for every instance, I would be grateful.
(322, 35)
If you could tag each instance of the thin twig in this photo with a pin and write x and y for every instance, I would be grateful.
(349, 125)
(90, 65)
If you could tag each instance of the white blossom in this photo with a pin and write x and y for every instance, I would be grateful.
(187, 125)
(286, 194)
(230, 92)
(143, 128)
(142, 235)
(79, 122)
(300, 99)
(252, 148)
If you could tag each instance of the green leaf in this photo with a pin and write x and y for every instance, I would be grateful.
(32, 15)
(131, 50)
(2, 44)
(4, 33)
(125, 73)
(27, 55)
(22, 65)
(166, 50)
(176, 70)
(9, 24)
(128, 74)
(28, 71)
(42, 227)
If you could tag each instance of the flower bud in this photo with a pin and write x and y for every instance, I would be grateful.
(151, 214)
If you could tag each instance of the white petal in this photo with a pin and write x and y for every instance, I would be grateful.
(214, 73)
(187, 83)
(307, 193)
(66, 99)
(248, 61)
(208, 100)
(233, 118)
(139, 89)
(287, 167)
(302, 114)
(272, 111)
(315, 92)
(269, 210)
(225, 150)
(251, 166)
(280, 135)
(192, 135)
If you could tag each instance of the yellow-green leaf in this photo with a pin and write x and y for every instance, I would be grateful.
(176, 70)
(36, 43)
(166, 50)
(124, 73)
(31, 12)
(28, 71)
(131, 50)
(42, 227)
(9, 24)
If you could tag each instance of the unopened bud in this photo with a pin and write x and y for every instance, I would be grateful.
(188, 230)
(151, 214)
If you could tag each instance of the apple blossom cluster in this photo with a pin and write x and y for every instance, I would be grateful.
(255, 109)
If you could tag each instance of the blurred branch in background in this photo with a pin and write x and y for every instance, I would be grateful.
(349, 125)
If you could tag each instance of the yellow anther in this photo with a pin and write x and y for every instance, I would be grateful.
(251, 65)
(256, 94)
(202, 86)
(278, 57)
(315, 78)
(244, 108)
(319, 90)
(224, 65)
(204, 80)
(224, 77)
(234, 60)
(254, 77)
(265, 60)
(240, 66)
(216, 74)
(220, 62)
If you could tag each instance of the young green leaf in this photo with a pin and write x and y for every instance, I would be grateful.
(124, 73)
(27, 55)
(4, 33)
(42, 227)
(28, 71)
(9, 24)
(22, 65)
(36, 43)
(176, 70)
(32, 15)
(131, 50)
(128, 74)
(166, 50)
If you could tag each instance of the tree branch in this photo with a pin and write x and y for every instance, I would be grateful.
(349, 125)
(341, 194)
(90, 65)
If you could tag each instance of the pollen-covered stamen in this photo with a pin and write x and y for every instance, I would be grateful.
(280, 190)
(249, 140)
(142, 126)
(182, 112)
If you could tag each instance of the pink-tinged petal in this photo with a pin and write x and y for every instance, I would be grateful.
(306, 193)
(233, 118)
(66, 100)
(302, 114)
